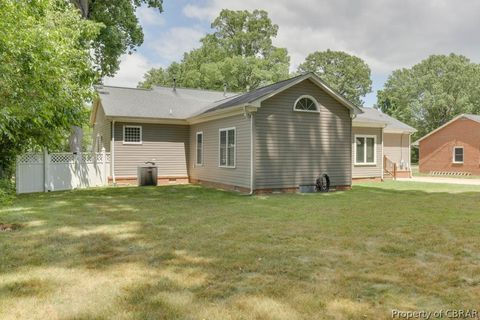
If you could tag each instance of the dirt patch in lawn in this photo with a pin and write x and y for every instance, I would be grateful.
(5, 227)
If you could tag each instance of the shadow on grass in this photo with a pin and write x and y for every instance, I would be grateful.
(26, 288)
(204, 246)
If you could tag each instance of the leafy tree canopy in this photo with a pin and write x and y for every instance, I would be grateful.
(432, 92)
(238, 53)
(347, 74)
(46, 74)
(121, 30)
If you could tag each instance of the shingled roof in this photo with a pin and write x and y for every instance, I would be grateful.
(181, 103)
(159, 102)
(372, 115)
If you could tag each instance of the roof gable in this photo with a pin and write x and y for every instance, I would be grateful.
(472, 117)
(257, 96)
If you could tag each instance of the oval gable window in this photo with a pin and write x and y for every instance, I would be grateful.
(306, 103)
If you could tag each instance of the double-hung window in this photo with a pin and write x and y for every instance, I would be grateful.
(199, 157)
(458, 155)
(227, 148)
(132, 135)
(365, 149)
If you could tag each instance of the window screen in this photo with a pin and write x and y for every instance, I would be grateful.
(458, 155)
(199, 148)
(132, 134)
(227, 147)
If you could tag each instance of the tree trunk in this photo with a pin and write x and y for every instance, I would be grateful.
(82, 5)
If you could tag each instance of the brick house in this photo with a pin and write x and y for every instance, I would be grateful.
(453, 147)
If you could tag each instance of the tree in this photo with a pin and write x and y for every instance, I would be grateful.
(160, 76)
(238, 53)
(121, 30)
(347, 74)
(46, 74)
(432, 92)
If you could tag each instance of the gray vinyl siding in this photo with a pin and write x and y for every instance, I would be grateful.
(166, 145)
(368, 171)
(210, 170)
(293, 148)
(396, 147)
(103, 128)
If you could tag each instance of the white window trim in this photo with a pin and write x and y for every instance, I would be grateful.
(141, 134)
(374, 163)
(463, 155)
(234, 148)
(317, 105)
(196, 148)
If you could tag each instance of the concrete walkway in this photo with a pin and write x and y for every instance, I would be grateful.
(472, 182)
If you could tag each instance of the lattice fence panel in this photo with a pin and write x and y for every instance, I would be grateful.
(30, 158)
(90, 157)
(62, 157)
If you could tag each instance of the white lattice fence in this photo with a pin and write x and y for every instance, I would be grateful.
(43, 172)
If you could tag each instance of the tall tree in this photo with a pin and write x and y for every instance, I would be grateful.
(347, 74)
(238, 53)
(121, 32)
(46, 74)
(432, 92)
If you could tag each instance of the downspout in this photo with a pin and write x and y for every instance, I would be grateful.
(251, 154)
(382, 161)
(410, 153)
(353, 115)
(401, 148)
(113, 152)
(250, 115)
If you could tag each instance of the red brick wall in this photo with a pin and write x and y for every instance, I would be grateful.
(436, 151)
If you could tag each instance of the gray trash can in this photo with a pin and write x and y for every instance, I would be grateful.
(147, 175)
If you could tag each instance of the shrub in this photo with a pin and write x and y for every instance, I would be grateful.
(7, 191)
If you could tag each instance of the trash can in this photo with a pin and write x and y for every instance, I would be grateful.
(147, 175)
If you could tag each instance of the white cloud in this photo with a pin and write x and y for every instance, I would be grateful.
(150, 17)
(387, 34)
(171, 44)
(132, 69)
(199, 12)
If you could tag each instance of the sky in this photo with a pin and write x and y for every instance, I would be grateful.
(387, 34)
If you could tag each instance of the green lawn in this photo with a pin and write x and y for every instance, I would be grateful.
(188, 252)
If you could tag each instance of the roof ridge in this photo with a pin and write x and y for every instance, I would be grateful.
(196, 89)
(276, 83)
(100, 86)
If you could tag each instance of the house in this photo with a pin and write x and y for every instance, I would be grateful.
(381, 146)
(452, 148)
(273, 138)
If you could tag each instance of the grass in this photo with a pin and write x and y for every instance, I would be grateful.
(187, 252)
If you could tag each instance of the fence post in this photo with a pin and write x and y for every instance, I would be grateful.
(104, 166)
(46, 170)
(17, 182)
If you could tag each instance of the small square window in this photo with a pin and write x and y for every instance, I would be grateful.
(132, 134)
